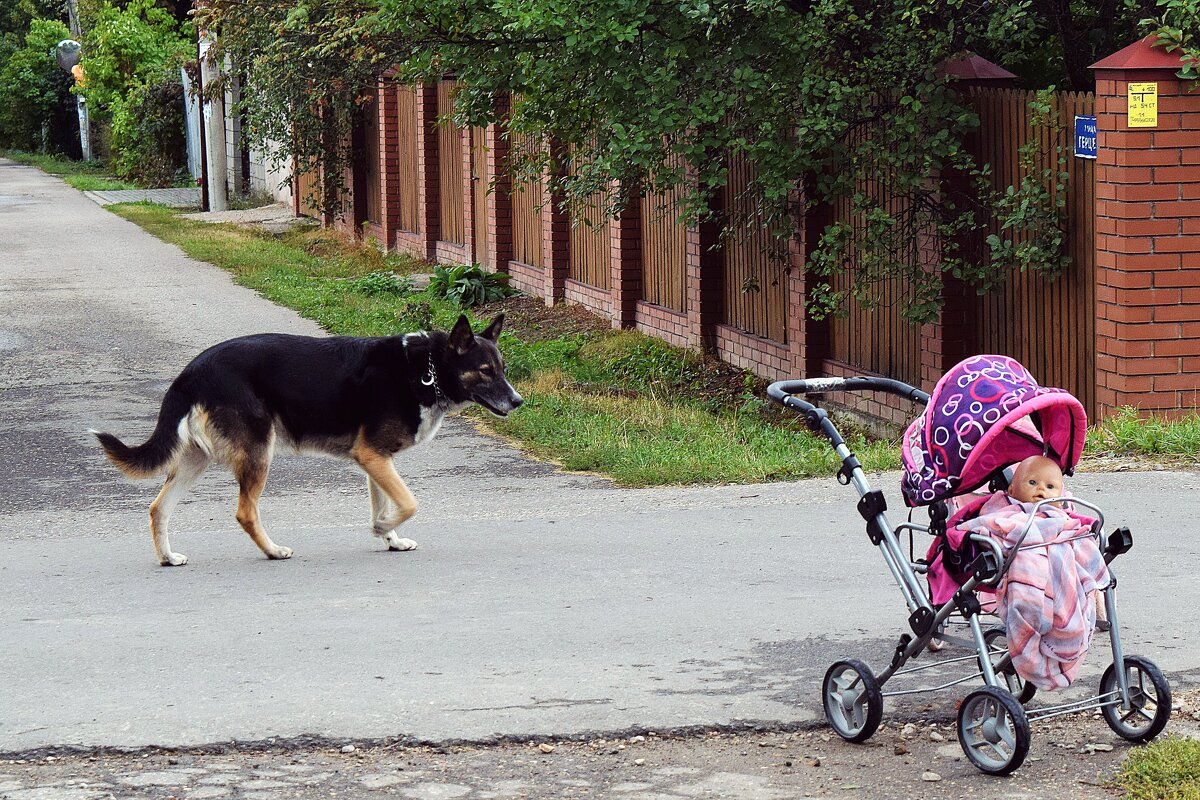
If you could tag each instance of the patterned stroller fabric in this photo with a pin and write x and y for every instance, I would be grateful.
(985, 414)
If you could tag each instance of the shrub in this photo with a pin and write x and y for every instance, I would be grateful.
(381, 283)
(468, 285)
(131, 58)
(148, 133)
(34, 89)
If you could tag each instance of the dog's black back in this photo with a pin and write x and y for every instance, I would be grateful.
(325, 394)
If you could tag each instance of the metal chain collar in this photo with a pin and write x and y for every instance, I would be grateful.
(431, 377)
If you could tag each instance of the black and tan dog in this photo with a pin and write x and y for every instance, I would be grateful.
(364, 399)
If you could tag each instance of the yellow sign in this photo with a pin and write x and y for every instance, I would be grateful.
(1143, 105)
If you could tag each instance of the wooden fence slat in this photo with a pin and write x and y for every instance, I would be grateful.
(406, 111)
(664, 251)
(450, 173)
(748, 261)
(1048, 325)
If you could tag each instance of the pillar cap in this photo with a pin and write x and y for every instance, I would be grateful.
(1142, 54)
(973, 68)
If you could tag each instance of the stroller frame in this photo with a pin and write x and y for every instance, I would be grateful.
(993, 725)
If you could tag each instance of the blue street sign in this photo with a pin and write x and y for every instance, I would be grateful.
(1085, 137)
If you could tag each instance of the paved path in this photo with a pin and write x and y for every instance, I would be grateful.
(539, 602)
(188, 197)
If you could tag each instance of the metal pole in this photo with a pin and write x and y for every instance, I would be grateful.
(203, 138)
(85, 139)
(214, 123)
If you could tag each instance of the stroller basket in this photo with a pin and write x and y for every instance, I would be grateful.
(984, 416)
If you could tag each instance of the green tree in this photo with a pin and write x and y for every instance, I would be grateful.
(827, 95)
(126, 45)
(1178, 31)
(33, 88)
(131, 58)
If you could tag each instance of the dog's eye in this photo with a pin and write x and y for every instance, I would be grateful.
(487, 369)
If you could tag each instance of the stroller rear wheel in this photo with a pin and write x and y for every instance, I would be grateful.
(993, 730)
(1149, 700)
(853, 700)
(1023, 690)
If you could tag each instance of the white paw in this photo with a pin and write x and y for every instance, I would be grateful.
(396, 543)
(280, 552)
(174, 560)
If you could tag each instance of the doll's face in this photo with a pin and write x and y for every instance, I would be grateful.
(1036, 478)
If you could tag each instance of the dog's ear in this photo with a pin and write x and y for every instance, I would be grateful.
(461, 336)
(492, 331)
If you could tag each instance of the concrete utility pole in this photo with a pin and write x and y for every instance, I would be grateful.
(85, 139)
(213, 109)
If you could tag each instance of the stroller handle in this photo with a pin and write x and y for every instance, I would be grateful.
(780, 390)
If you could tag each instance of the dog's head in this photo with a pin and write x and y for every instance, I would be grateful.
(475, 364)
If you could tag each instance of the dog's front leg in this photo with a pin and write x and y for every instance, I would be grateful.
(382, 511)
(391, 501)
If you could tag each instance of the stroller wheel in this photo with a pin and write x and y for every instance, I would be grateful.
(1023, 690)
(1149, 700)
(853, 700)
(993, 730)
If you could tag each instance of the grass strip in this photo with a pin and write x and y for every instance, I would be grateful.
(86, 176)
(1166, 769)
(621, 403)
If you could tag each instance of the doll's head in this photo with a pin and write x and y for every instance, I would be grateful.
(1036, 478)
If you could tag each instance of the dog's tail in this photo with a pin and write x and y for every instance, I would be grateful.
(163, 447)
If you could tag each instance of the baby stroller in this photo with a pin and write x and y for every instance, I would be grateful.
(984, 416)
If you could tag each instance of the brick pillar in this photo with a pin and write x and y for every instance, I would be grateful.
(389, 159)
(797, 320)
(625, 235)
(817, 345)
(1147, 237)
(472, 173)
(499, 210)
(428, 174)
(556, 238)
(944, 340)
(705, 274)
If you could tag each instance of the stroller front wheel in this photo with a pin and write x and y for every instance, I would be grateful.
(993, 730)
(1149, 700)
(852, 699)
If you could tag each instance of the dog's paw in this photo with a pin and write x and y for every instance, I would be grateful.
(396, 543)
(280, 553)
(174, 560)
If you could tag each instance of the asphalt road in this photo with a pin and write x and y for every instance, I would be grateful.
(539, 603)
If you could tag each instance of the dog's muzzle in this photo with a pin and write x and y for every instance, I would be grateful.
(501, 407)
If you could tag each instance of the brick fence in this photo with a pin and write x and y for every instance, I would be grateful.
(1147, 237)
(1147, 247)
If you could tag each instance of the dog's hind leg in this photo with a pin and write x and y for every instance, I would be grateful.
(384, 485)
(251, 473)
(183, 477)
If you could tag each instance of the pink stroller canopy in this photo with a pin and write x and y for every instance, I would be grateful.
(985, 414)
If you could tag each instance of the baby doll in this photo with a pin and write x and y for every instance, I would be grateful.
(1039, 478)
(1036, 478)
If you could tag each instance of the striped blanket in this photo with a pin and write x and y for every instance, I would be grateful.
(1045, 600)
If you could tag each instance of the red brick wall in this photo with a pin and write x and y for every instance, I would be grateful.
(765, 358)
(625, 234)
(886, 407)
(527, 279)
(1147, 238)
(499, 199)
(582, 294)
(665, 323)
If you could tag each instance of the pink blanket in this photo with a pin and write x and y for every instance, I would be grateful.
(1045, 599)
